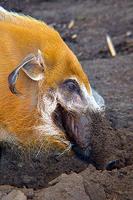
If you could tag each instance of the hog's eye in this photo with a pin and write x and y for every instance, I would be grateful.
(72, 85)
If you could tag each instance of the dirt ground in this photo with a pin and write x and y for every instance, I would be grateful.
(110, 174)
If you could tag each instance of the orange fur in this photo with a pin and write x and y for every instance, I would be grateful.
(19, 36)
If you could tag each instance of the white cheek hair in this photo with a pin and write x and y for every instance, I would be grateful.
(6, 136)
(46, 107)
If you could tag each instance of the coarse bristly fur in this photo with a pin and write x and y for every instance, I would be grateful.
(28, 117)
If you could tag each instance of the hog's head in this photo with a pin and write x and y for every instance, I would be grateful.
(65, 97)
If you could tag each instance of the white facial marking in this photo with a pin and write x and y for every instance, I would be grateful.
(93, 101)
(92, 104)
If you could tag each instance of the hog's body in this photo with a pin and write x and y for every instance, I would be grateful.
(28, 118)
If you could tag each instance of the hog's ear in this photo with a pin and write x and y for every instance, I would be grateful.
(33, 66)
(98, 98)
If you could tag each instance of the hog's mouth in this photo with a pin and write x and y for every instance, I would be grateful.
(75, 130)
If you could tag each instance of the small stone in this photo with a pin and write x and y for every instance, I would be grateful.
(128, 33)
(74, 36)
(15, 195)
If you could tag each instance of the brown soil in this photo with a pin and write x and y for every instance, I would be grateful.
(111, 136)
